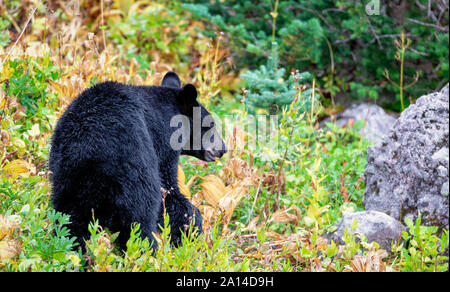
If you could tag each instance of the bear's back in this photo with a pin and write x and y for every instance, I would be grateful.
(109, 122)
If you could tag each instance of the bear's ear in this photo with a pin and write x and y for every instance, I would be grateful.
(171, 79)
(187, 98)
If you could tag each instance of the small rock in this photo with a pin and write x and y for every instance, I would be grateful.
(378, 122)
(376, 226)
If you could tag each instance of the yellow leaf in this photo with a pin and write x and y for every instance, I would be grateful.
(372, 262)
(16, 168)
(274, 235)
(252, 226)
(184, 189)
(237, 140)
(241, 135)
(123, 5)
(34, 131)
(7, 226)
(181, 176)
(313, 211)
(5, 137)
(183, 186)
(75, 260)
(9, 249)
(232, 197)
(317, 164)
(359, 264)
(222, 199)
(19, 143)
(213, 189)
(309, 221)
(3, 100)
(283, 216)
(238, 170)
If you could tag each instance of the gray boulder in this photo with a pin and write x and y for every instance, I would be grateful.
(408, 172)
(378, 122)
(376, 226)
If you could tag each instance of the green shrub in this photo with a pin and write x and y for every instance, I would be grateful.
(44, 241)
(29, 79)
(423, 250)
(337, 41)
(267, 89)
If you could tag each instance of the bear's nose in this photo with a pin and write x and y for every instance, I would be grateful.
(212, 155)
(220, 153)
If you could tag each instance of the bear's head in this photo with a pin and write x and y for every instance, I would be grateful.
(198, 135)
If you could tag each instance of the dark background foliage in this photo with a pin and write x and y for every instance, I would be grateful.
(343, 46)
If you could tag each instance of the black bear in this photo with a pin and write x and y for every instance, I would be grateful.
(116, 149)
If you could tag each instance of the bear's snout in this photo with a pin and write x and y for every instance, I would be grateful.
(211, 155)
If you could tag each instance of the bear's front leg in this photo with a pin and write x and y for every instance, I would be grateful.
(181, 214)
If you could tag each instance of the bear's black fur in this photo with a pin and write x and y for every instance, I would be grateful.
(111, 157)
